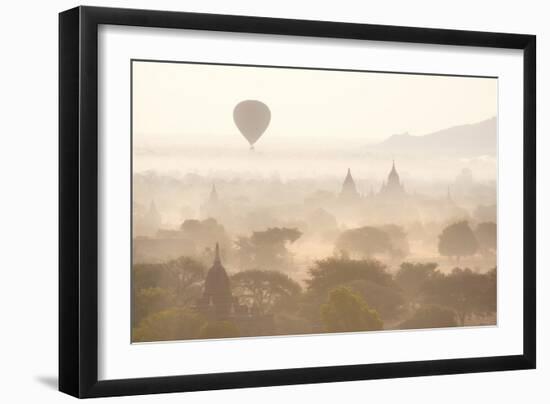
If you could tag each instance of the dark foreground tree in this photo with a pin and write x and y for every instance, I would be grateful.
(457, 240)
(264, 290)
(175, 275)
(150, 300)
(187, 276)
(411, 276)
(169, 325)
(386, 300)
(219, 329)
(181, 277)
(346, 311)
(328, 273)
(365, 276)
(430, 316)
(466, 292)
(157, 287)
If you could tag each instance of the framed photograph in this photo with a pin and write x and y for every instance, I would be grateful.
(251, 201)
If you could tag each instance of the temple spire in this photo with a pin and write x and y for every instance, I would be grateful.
(393, 185)
(217, 259)
(349, 178)
(213, 194)
(393, 170)
(217, 290)
(349, 190)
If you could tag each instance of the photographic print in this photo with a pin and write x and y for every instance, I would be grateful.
(274, 201)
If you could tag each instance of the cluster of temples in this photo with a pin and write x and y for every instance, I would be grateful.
(392, 187)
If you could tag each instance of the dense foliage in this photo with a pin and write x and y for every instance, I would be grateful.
(349, 291)
(346, 311)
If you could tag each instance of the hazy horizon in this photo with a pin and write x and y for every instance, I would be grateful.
(183, 116)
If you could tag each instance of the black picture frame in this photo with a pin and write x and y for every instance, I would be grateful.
(78, 201)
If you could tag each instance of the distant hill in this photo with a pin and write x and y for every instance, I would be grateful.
(460, 141)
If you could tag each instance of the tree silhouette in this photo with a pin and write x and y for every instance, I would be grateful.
(206, 233)
(219, 329)
(331, 272)
(167, 325)
(187, 276)
(181, 277)
(457, 240)
(267, 249)
(430, 316)
(386, 300)
(464, 291)
(346, 311)
(398, 239)
(364, 241)
(411, 276)
(263, 290)
(486, 234)
(150, 300)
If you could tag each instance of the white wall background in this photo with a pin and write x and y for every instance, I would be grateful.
(28, 206)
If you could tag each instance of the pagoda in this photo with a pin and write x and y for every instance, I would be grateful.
(393, 186)
(217, 299)
(349, 190)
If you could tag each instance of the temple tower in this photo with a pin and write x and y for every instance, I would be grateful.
(213, 198)
(349, 190)
(217, 298)
(393, 186)
(212, 207)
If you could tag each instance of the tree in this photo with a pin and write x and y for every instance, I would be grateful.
(364, 241)
(457, 240)
(219, 329)
(464, 291)
(330, 272)
(169, 325)
(206, 233)
(411, 276)
(487, 300)
(267, 249)
(187, 276)
(292, 323)
(264, 290)
(386, 300)
(398, 239)
(430, 316)
(150, 300)
(346, 311)
(181, 277)
(486, 234)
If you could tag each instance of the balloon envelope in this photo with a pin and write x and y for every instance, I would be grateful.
(252, 118)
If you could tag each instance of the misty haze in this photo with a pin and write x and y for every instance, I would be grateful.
(273, 201)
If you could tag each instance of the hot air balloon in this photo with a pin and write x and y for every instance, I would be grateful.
(252, 118)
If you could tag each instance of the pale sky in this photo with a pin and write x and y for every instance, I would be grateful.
(184, 107)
